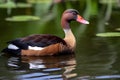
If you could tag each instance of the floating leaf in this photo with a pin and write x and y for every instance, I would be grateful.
(109, 34)
(8, 5)
(118, 29)
(23, 5)
(13, 5)
(23, 18)
(108, 1)
(39, 1)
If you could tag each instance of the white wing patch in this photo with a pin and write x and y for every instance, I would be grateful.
(35, 48)
(14, 47)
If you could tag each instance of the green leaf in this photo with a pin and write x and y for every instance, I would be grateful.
(8, 5)
(23, 5)
(109, 34)
(23, 18)
(13, 5)
(108, 1)
(39, 1)
(118, 29)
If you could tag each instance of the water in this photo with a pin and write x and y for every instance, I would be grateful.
(43, 68)
(95, 58)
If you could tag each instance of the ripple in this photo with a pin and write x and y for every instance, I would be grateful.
(39, 76)
(32, 75)
(108, 77)
(52, 69)
(99, 77)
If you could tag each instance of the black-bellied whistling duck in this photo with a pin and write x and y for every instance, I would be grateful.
(46, 44)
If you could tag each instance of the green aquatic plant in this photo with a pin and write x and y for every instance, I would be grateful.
(109, 34)
(12, 4)
(23, 18)
(23, 5)
(108, 1)
(8, 4)
(118, 29)
(39, 1)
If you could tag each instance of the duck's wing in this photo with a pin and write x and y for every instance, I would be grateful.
(42, 40)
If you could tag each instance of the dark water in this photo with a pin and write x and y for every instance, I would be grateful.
(95, 58)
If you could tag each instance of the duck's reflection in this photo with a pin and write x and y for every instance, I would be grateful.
(56, 65)
(49, 61)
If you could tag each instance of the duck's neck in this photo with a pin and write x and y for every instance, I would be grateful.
(69, 37)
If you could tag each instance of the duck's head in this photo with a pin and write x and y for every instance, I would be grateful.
(73, 15)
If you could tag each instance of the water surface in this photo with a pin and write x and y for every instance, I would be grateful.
(95, 58)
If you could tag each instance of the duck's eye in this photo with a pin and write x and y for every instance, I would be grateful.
(74, 13)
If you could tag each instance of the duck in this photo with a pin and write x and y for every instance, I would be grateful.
(47, 44)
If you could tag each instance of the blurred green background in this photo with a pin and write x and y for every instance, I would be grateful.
(98, 43)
